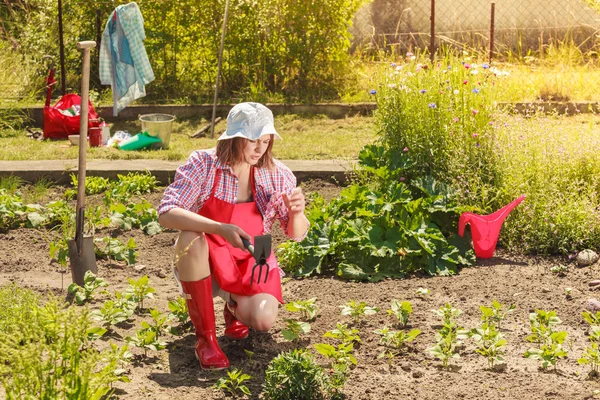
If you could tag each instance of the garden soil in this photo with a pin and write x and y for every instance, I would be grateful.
(174, 373)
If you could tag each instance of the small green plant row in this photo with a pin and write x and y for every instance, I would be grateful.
(123, 305)
(105, 248)
(14, 213)
(488, 338)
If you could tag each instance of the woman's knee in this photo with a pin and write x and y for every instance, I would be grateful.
(263, 313)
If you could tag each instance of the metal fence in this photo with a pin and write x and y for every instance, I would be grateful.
(512, 26)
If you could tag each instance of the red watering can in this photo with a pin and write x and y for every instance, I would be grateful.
(485, 229)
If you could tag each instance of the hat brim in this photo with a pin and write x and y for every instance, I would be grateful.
(266, 130)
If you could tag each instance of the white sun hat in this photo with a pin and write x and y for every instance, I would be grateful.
(250, 121)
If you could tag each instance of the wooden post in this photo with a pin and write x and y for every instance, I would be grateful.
(61, 47)
(492, 26)
(432, 24)
(214, 111)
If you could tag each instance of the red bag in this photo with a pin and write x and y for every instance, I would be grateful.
(57, 125)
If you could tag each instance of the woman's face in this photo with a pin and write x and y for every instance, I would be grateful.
(255, 149)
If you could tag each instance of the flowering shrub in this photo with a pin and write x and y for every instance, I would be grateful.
(442, 115)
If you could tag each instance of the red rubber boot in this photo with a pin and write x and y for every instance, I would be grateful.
(202, 313)
(234, 329)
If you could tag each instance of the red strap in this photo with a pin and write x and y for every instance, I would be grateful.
(215, 182)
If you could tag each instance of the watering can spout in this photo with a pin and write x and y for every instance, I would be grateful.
(485, 229)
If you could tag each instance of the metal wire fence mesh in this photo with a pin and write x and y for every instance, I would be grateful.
(521, 27)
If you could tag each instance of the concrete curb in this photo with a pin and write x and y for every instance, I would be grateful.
(59, 171)
(331, 110)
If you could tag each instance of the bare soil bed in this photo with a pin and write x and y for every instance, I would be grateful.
(174, 373)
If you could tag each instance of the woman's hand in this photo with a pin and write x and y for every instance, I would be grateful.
(295, 202)
(234, 234)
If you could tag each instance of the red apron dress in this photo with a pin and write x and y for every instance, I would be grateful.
(232, 267)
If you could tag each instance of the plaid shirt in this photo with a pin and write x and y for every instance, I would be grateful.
(194, 180)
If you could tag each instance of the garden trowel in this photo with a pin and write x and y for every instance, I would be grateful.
(261, 251)
(81, 249)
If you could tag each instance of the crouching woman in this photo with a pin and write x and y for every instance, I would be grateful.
(219, 197)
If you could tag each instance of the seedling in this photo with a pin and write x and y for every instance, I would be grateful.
(542, 325)
(568, 292)
(423, 292)
(342, 354)
(489, 343)
(358, 310)
(494, 315)
(125, 303)
(592, 319)
(114, 249)
(345, 334)
(395, 341)
(147, 340)
(449, 336)
(233, 383)
(401, 311)
(550, 351)
(90, 284)
(250, 354)
(179, 310)
(140, 290)
(294, 329)
(306, 307)
(159, 322)
(591, 357)
(109, 314)
(560, 270)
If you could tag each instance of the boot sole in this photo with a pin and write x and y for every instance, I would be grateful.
(208, 368)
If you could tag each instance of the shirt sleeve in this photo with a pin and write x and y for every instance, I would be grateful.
(187, 185)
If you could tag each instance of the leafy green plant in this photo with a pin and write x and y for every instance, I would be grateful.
(395, 341)
(550, 342)
(90, 284)
(110, 314)
(295, 375)
(592, 319)
(489, 343)
(345, 334)
(591, 357)
(135, 215)
(140, 289)
(307, 308)
(550, 351)
(340, 354)
(401, 310)
(114, 249)
(423, 292)
(179, 310)
(125, 302)
(93, 184)
(542, 325)
(159, 322)
(357, 310)
(560, 270)
(449, 336)
(233, 383)
(146, 339)
(293, 329)
(386, 227)
(495, 314)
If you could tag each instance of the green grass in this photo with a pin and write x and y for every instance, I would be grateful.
(306, 138)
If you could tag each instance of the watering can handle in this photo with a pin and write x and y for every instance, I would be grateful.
(248, 245)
